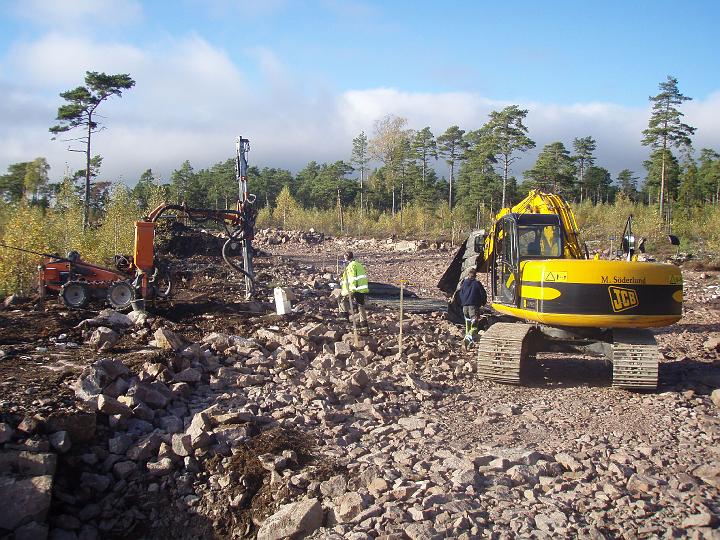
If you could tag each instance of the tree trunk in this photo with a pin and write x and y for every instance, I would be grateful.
(86, 213)
(452, 174)
(506, 166)
(362, 178)
(662, 186)
(340, 211)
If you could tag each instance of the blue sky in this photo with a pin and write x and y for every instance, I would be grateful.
(301, 78)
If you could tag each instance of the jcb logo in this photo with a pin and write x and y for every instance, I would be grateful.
(623, 299)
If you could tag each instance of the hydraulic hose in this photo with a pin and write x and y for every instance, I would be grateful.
(235, 236)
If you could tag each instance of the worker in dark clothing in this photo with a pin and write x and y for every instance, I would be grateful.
(472, 298)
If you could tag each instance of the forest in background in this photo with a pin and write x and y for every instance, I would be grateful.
(388, 185)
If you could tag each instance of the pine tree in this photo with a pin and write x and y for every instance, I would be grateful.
(80, 109)
(553, 169)
(627, 183)
(509, 135)
(452, 146)
(584, 148)
(424, 148)
(666, 129)
(360, 157)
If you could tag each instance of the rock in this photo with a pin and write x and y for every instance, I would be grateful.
(271, 462)
(171, 424)
(60, 441)
(702, 519)
(334, 487)
(181, 444)
(24, 500)
(79, 425)
(161, 467)
(312, 330)
(292, 520)
(168, 340)
(342, 350)
(219, 342)
(641, 483)
(198, 431)
(550, 522)
(103, 338)
(149, 395)
(348, 506)
(123, 469)
(116, 388)
(138, 318)
(360, 378)
(568, 461)
(114, 318)
(712, 343)
(188, 375)
(21, 463)
(112, 406)
(119, 444)
(145, 448)
(95, 482)
(420, 531)
(6, 432)
(715, 397)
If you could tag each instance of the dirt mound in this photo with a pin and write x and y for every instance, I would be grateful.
(179, 240)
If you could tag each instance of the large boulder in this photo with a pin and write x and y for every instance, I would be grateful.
(24, 500)
(292, 520)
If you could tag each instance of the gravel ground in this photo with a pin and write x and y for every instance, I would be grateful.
(248, 424)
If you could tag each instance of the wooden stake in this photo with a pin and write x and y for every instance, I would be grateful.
(400, 337)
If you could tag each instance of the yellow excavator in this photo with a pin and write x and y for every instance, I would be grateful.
(541, 277)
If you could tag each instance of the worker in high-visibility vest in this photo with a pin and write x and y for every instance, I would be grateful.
(354, 288)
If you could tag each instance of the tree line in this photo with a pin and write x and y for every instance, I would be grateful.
(397, 166)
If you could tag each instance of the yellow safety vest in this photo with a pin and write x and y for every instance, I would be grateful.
(354, 278)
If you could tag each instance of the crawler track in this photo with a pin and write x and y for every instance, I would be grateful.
(501, 352)
(635, 360)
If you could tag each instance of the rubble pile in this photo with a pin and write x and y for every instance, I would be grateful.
(274, 237)
(193, 424)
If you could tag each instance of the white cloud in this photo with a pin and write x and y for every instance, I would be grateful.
(191, 99)
(78, 13)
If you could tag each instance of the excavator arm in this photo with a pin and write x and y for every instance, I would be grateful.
(540, 202)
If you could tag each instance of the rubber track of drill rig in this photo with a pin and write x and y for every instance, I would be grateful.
(635, 359)
(501, 352)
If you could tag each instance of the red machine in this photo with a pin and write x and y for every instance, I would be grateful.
(142, 278)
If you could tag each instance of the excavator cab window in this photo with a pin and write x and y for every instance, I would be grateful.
(539, 240)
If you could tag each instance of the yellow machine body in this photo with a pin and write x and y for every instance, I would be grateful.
(540, 272)
(594, 293)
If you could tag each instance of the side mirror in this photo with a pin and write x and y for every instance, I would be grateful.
(674, 240)
(479, 243)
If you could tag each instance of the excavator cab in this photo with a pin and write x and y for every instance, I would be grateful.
(521, 237)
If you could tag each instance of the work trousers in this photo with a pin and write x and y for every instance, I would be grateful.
(358, 305)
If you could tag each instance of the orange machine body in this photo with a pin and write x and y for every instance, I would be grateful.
(143, 257)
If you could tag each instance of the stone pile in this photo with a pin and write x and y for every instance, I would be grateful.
(294, 428)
